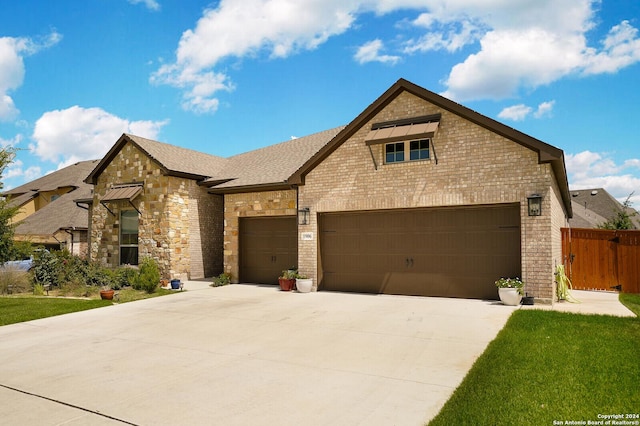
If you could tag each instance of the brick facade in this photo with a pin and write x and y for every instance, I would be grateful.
(474, 166)
(250, 204)
(179, 222)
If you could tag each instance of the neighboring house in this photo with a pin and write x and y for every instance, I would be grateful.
(48, 215)
(593, 207)
(418, 195)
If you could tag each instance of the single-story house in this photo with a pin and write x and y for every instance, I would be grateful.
(595, 206)
(418, 195)
(48, 215)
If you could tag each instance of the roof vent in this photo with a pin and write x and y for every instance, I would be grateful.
(575, 194)
(594, 192)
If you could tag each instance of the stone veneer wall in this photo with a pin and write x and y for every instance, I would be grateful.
(250, 204)
(475, 166)
(166, 220)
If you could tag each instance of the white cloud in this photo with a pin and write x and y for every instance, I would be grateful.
(521, 111)
(76, 133)
(544, 109)
(621, 48)
(521, 44)
(597, 170)
(538, 44)
(12, 51)
(240, 28)
(515, 112)
(150, 4)
(370, 52)
(443, 34)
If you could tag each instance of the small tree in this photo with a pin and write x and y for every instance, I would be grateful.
(622, 218)
(7, 212)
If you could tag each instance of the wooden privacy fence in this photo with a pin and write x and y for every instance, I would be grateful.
(601, 259)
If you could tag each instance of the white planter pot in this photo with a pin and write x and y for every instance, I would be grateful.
(509, 296)
(304, 285)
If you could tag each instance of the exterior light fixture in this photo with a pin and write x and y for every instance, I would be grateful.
(303, 216)
(534, 202)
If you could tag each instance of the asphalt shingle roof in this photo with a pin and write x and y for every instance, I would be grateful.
(273, 164)
(72, 175)
(178, 159)
(62, 213)
(595, 206)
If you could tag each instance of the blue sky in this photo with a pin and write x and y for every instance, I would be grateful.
(230, 76)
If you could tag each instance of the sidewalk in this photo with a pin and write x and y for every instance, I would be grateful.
(590, 302)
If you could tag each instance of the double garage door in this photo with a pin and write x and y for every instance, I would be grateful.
(449, 252)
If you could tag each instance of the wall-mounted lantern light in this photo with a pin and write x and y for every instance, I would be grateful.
(303, 216)
(534, 202)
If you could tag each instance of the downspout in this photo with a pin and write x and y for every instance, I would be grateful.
(72, 243)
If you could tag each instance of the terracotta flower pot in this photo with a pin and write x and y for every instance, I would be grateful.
(286, 284)
(106, 294)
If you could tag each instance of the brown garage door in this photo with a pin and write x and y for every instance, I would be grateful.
(450, 252)
(268, 245)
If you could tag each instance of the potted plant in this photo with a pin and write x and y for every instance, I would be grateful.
(303, 284)
(510, 290)
(287, 280)
(106, 280)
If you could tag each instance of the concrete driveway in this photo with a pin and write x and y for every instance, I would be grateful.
(245, 354)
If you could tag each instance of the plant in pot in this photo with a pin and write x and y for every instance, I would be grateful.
(303, 284)
(287, 280)
(510, 290)
(106, 279)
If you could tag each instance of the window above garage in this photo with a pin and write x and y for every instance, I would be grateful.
(404, 140)
(398, 152)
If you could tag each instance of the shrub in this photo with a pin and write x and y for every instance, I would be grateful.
(46, 268)
(148, 277)
(38, 290)
(222, 279)
(124, 278)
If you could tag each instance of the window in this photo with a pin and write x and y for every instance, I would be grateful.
(396, 152)
(129, 237)
(419, 150)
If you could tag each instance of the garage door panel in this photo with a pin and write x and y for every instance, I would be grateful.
(268, 245)
(429, 252)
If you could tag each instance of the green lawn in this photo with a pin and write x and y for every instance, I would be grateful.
(547, 366)
(19, 309)
(15, 309)
(631, 301)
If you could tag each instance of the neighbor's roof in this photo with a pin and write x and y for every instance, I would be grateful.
(70, 176)
(270, 166)
(63, 213)
(174, 160)
(599, 206)
(546, 153)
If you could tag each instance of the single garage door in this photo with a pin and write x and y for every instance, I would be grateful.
(449, 252)
(268, 245)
